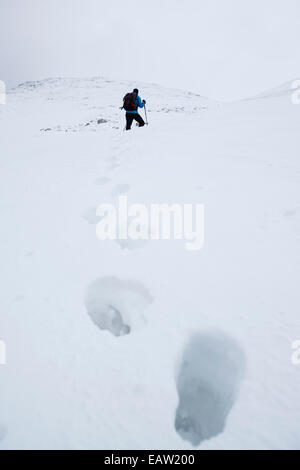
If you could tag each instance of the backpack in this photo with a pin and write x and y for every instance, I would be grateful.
(130, 102)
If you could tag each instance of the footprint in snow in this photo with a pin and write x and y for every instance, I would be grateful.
(120, 190)
(290, 213)
(208, 384)
(113, 166)
(131, 245)
(102, 181)
(90, 216)
(112, 162)
(117, 306)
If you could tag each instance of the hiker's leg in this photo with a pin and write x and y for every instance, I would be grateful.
(139, 119)
(129, 120)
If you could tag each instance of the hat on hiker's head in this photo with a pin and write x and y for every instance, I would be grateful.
(136, 91)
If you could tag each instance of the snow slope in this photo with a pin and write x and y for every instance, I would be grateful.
(206, 358)
(283, 91)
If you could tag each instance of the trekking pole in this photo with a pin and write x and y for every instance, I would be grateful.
(146, 116)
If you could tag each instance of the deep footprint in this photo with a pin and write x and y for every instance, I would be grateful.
(117, 306)
(90, 216)
(120, 190)
(208, 384)
(102, 181)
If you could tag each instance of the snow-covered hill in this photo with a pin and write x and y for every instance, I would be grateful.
(204, 356)
(283, 91)
(78, 104)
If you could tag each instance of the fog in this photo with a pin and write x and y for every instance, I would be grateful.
(224, 50)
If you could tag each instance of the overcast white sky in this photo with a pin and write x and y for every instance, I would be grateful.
(225, 49)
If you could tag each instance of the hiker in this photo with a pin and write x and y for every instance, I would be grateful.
(132, 102)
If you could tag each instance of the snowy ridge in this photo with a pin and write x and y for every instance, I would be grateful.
(284, 91)
(97, 100)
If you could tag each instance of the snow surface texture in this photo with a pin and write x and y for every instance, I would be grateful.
(143, 344)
